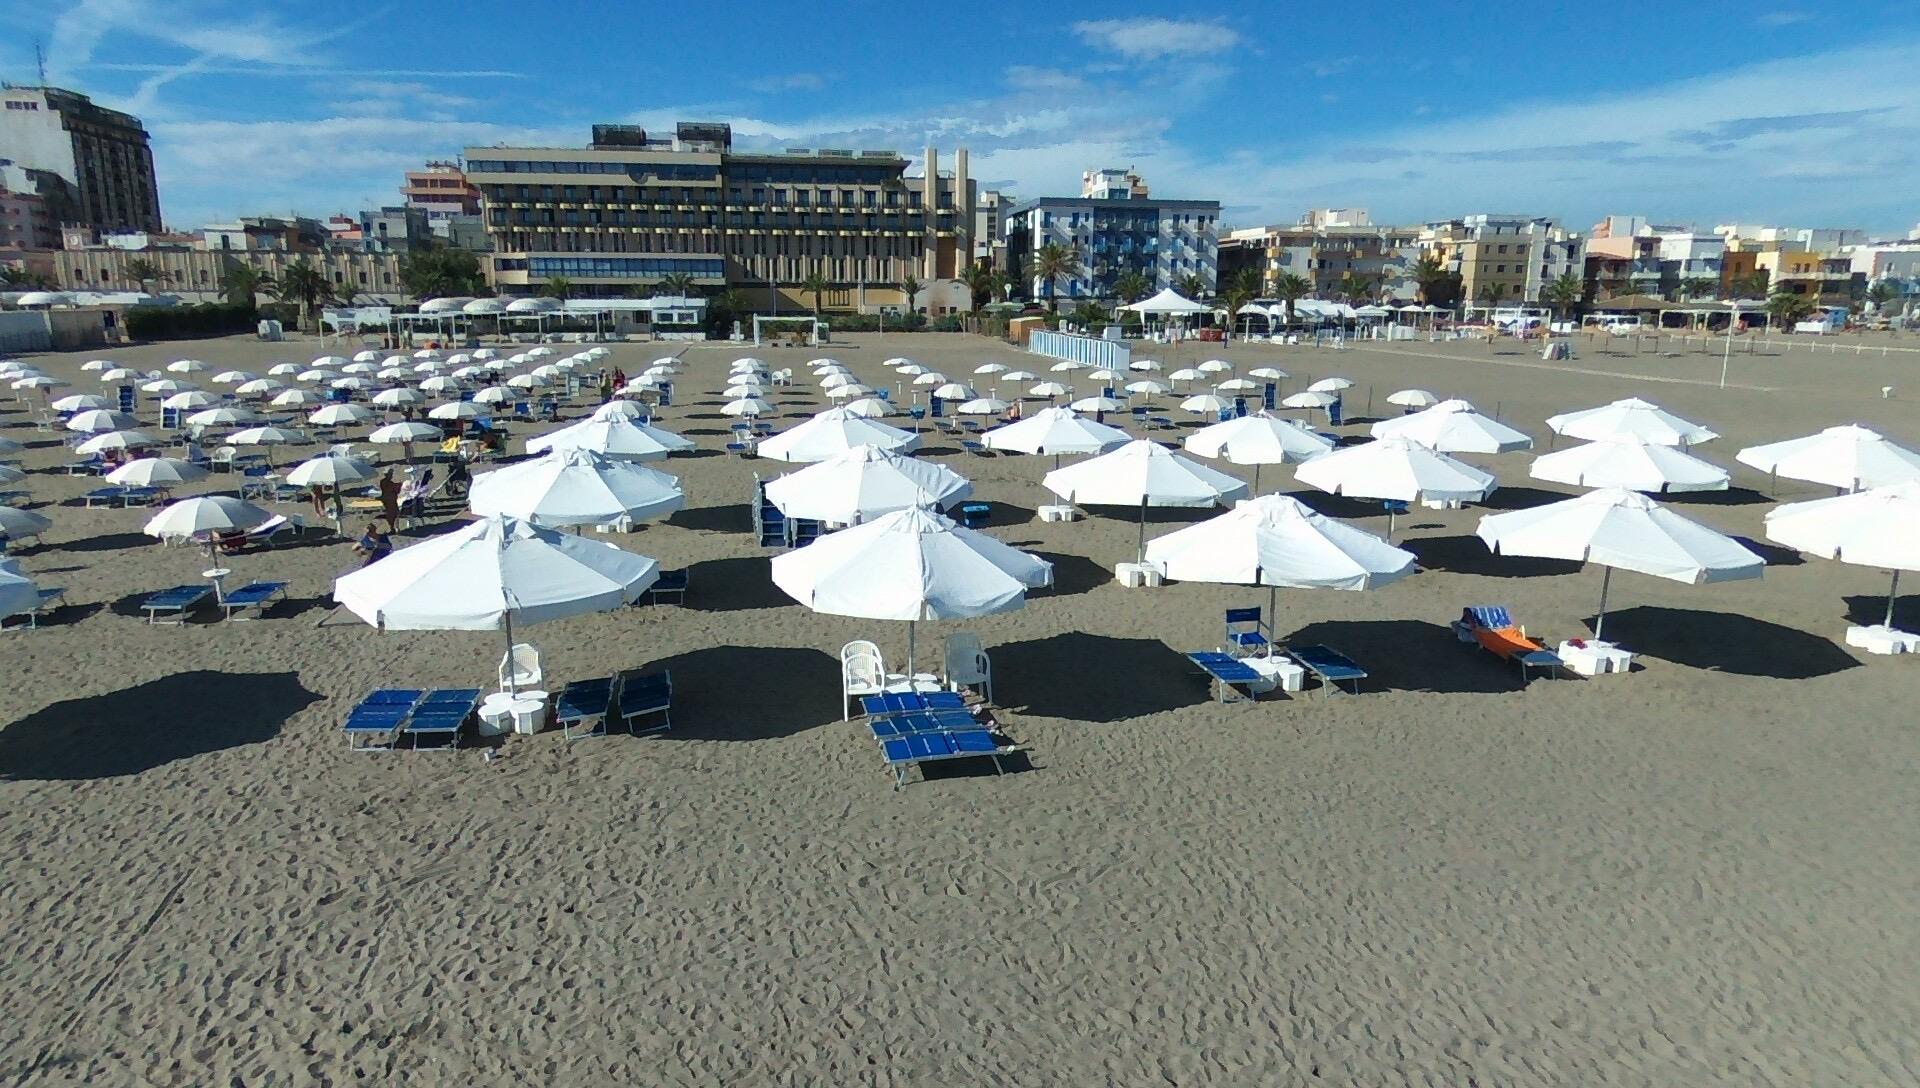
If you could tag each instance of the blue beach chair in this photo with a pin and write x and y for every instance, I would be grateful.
(254, 596)
(374, 724)
(175, 602)
(642, 695)
(583, 707)
(1228, 675)
(439, 717)
(904, 753)
(1330, 665)
(1247, 632)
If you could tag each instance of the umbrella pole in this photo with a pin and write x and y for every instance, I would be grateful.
(1140, 555)
(1893, 594)
(512, 688)
(1256, 478)
(1606, 582)
(913, 627)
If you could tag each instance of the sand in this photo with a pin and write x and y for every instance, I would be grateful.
(1702, 873)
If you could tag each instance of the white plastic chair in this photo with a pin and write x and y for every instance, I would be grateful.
(967, 665)
(222, 459)
(520, 668)
(862, 672)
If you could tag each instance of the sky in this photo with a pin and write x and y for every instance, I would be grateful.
(1768, 111)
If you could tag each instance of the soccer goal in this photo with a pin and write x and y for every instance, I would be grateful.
(802, 330)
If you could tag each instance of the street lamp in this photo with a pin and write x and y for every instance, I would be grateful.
(1726, 355)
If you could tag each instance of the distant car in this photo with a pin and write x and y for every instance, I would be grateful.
(1620, 325)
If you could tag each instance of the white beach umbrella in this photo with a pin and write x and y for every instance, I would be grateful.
(258, 387)
(1630, 418)
(1215, 366)
(863, 483)
(744, 389)
(613, 436)
(18, 593)
(541, 352)
(1018, 376)
(336, 361)
(224, 416)
(81, 402)
(493, 394)
(1309, 399)
(267, 436)
(1048, 390)
(931, 377)
(1279, 542)
(576, 487)
(1147, 387)
(526, 381)
(1145, 473)
(1055, 431)
(1396, 470)
(1330, 385)
(1615, 527)
(1850, 457)
(190, 399)
(91, 366)
(1186, 374)
(156, 472)
(834, 432)
(1237, 385)
(551, 372)
(96, 420)
(1875, 528)
(399, 398)
(909, 565)
(1454, 426)
(868, 408)
(457, 409)
(405, 433)
(836, 379)
(441, 384)
(982, 406)
(341, 415)
(618, 409)
(164, 386)
(353, 383)
(486, 353)
(1205, 404)
(297, 398)
(990, 368)
(1635, 464)
(1413, 398)
(368, 356)
(748, 360)
(330, 470)
(746, 406)
(186, 366)
(492, 574)
(1104, 375)
(319, 374)
(16, 523)
(119, 374)
(469, 373)
(1144, 365)
(849, 392)
(1256, 440)
(1067, 366)
(1097, 404)
(910, 370)
(897, 362)
(954, 391)
(283, 370)
(362, 368)
(824, 361)
(205, 514)
(1270, 373)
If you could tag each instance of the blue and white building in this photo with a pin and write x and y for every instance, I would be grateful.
(1116, 227)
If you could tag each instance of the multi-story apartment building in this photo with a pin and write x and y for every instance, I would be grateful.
(27, 218)
(1895, 263)
(630, 209)
(1501, 259)
(194, 266)
(102, 154)
(443, 193)
(1817, 262)
(989, 215)
(1116, 227)
(1331, 249)
(394, 230)
(265, 233)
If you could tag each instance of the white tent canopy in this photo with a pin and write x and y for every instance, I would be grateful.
(834, 432)
(1454, 426)
(1634, 464)
(864, 483)
(1168, 301)
(1397, 469)
(1630, 418)
(1851, 457)
(575, 487)
(1615, 527)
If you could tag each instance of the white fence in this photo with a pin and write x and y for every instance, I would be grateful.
(1102, 354)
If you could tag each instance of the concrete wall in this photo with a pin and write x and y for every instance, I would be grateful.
(75, 329)
(24, 330)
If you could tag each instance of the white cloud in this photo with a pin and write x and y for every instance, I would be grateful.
(796, 81)
(1144, 39)
(1026, 77)
(1783, 18)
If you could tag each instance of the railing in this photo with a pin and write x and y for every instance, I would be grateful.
(1095, 352)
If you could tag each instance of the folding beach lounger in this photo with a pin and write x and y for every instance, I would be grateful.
(904, 753)
(439, 717)
(374, 724)
(1492, 626)
(671, 583)
(1330, 665)
(254, 596)
(175, 602)
(924, 721)
(583, 708)
(643, 694)
(110, 496)
(908, 702)
(1228, 674)
(51, 598)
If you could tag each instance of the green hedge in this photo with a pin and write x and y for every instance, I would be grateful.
(189, 322)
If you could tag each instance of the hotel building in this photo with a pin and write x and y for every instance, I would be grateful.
(102, 155)
(1116, 227)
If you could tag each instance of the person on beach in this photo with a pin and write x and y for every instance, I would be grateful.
(318, 496)
(374, 544)
(390, 499)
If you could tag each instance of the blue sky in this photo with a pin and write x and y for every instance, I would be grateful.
(1786, 112)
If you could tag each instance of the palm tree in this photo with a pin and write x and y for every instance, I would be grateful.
(1752, 285)
(141, 271)
(1088, 314)
(1192, 285)
(1292, 287)
(1881, 293)
(817, 284)
(674, 285)
(1491, 294)
(1429, 272)
(980, 283)
(1787, 309)
(1132, 286)
(1052, 262)
(559, 287)
(1357, 287)
(1699, 287)
(1565, 293)
(1239, 291)
(910, 287)
(243, 283)
(303, 284)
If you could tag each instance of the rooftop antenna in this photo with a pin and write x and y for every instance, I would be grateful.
(40, 61)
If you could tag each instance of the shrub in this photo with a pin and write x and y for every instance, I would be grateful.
(197, 321)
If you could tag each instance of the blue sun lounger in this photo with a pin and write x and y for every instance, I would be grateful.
(907, 702)
(643, 694)
(1330, 665)
(671, 583)
(904, 753)
(374, 724)
(51, 597)
(924, 721)
(1228, 675)
(439, 717)
(583, 708)
(257, 596)
(175, 602)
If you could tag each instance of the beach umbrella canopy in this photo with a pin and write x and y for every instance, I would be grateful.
(1018, 376)
(868, 407)
(340, 415)
(910, 369)
(897, 362)
(835, 379)
(1147, 387)
(1258, 439)
(1635, 464)
(526, 381)
(954, 391)
(399, 398)
(441, 383)
(1279, 542)
(1215, 366)
(234, 377)
(493, 394)
(931, 377)
(186, 366)
(17, 523)
(282, 370)
(863, 483)
(575, 487)
(192, 398)
(331, 470)
(1630, 418)
(746, 406)
(1205, 404)
(990, 368)
(18, 594)
(613, 436)
(1330, 385)
(616, 409)
(982, 406)
(1097, 404)
(156, 472)
(1055, 431)
(1048, 389)
(832, 433)
(130, 439)
(457, 409)
(1186, 374)
(1615, 527)
(363, 368)
(163, 386)
(296, 398)
(319, 374)
(848, 392)
(1066, 366)
(82, 402)
(91, 366)
(909, 565)
(1413, 398)
(1144, 364)
(258, 387)
(1237, 385)
(1454, 426)
(119, 374)
(1851, 457)
(267, 436)
(205, 514)
(335, 361)
(1395, 469)
(353, 382)
(405, 433)
(1270, 373)
(95, 420)
(224, 416)
(1309, 399)
(1145, 473)
(1874, 528)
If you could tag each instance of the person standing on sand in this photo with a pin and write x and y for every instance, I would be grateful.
(319, 498)
(390, 499)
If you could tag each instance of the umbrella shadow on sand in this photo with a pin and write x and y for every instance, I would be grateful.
(733, 585)
(1868, 609)
(1131, 677)
(142, 727)
(1412, 655)
(790, 691)
(1726, 642)
(1470, 555)
(1072, 574)
(733, 518)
